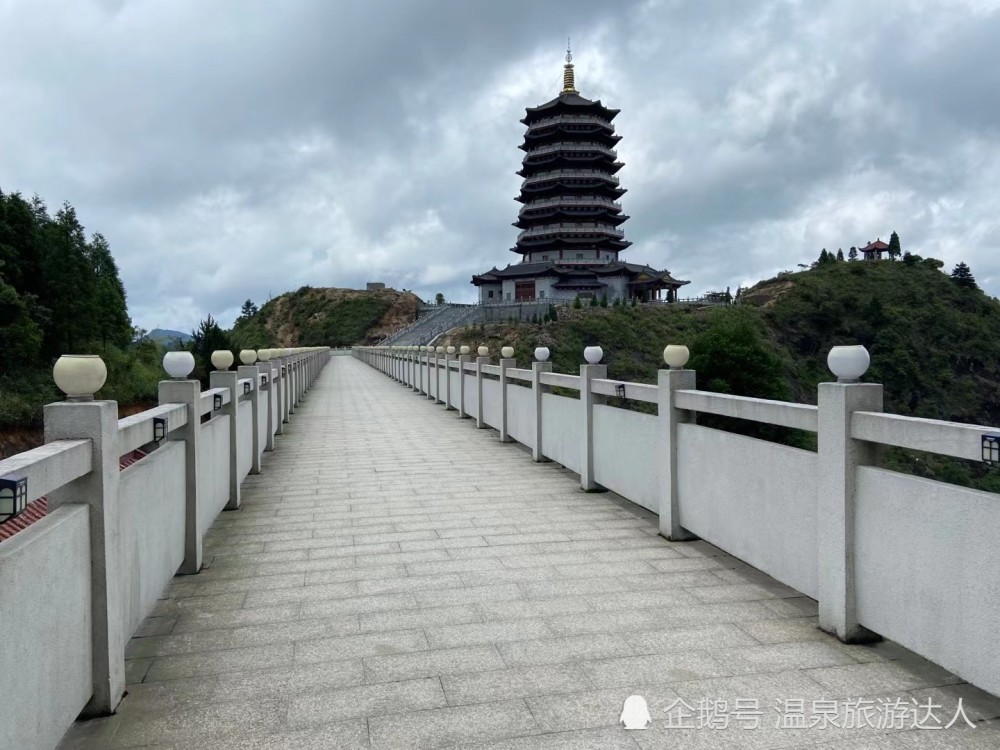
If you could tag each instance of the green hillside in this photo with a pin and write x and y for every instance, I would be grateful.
(325, 317)
(935, 345)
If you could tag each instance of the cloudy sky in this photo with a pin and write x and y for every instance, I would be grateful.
(241, 148)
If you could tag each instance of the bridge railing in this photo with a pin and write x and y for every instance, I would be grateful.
(76, 584)
(884, 553)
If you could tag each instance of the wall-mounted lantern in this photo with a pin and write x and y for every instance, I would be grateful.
(620, 390)
(13, 496)
(246, 388)
(216, 401)
(263, 381)
(991, 450)
(159, 429)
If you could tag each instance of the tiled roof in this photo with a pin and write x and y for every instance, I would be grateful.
(36, 509)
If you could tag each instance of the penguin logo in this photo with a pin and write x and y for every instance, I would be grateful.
(635, 713)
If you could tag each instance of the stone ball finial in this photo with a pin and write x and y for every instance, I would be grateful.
(593, 354)
(848, 363)
(464, 350)
(676, 356)
(79, 376)
(507, 352)
(483, 351)
(248, 356)
(542, 353)
(178, 365)
(222, 359)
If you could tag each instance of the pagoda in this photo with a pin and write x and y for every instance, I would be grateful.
(571, 217)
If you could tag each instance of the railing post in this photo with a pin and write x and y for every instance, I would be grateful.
(270, 401)
(839, 457)
(480, 361)
(588, 399)
(228, 379)
(430, 371)
(278, 383)
(668, 417)
(505, 364)
(448, 359)
(253, 373)
(97, 421)
(537, 390)
(462, 359)
(437, 374)
(188, 392)
(293, 382)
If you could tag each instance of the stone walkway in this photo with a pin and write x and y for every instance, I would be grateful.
(399, 579)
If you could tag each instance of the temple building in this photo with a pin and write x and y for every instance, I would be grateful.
(571, 218)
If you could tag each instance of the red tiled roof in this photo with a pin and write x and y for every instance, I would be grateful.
(876, 245)
(36, 509)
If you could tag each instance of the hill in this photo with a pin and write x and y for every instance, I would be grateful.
(167, 336)
(325, 317)
(935, 345)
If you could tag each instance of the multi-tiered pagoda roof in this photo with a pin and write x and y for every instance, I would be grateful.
(570, 192)
(571, 217)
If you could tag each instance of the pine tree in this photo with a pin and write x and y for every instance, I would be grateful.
(840, 254)
(852, 254)
(248, 310)
(208, 338)
(962, 276)
(894, 248)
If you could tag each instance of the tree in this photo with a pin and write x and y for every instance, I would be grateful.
(439, 299)
(577, 304)
(604, 300)
(962, 276)
(840, 254)
(894, 249)
(553, 315)
(209, 337)
(852, 254)
(248, 310)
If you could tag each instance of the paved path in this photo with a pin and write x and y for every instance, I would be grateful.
(399, 579)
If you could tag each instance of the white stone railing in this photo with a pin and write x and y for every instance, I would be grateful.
(884, 553)
(577, 174)
(75, 585)
(574, 227)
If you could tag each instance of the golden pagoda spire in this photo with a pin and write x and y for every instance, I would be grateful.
(569, 82)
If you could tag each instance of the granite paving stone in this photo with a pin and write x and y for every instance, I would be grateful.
(396, 578)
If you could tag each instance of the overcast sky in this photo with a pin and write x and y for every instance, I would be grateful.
(240, 148)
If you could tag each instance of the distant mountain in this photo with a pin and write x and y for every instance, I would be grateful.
(167, 336)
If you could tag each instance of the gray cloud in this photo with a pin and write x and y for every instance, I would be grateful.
(240, 149)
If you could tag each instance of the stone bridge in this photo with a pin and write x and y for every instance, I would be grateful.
(390, 576)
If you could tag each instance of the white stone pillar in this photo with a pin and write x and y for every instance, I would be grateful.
(506, 363)
(228, 380)
(588, 399)
(447, 379)
(438, 359)
(253, 373)
(669, 416)
(270, 400)
(480, 420)
(97, 421)
(462, 360)
(537, 391)
(839, 458)
(188, 392)
(431, 373)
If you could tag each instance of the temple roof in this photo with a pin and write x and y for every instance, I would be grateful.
(637, 272)
(569, 103)
(876, 245)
